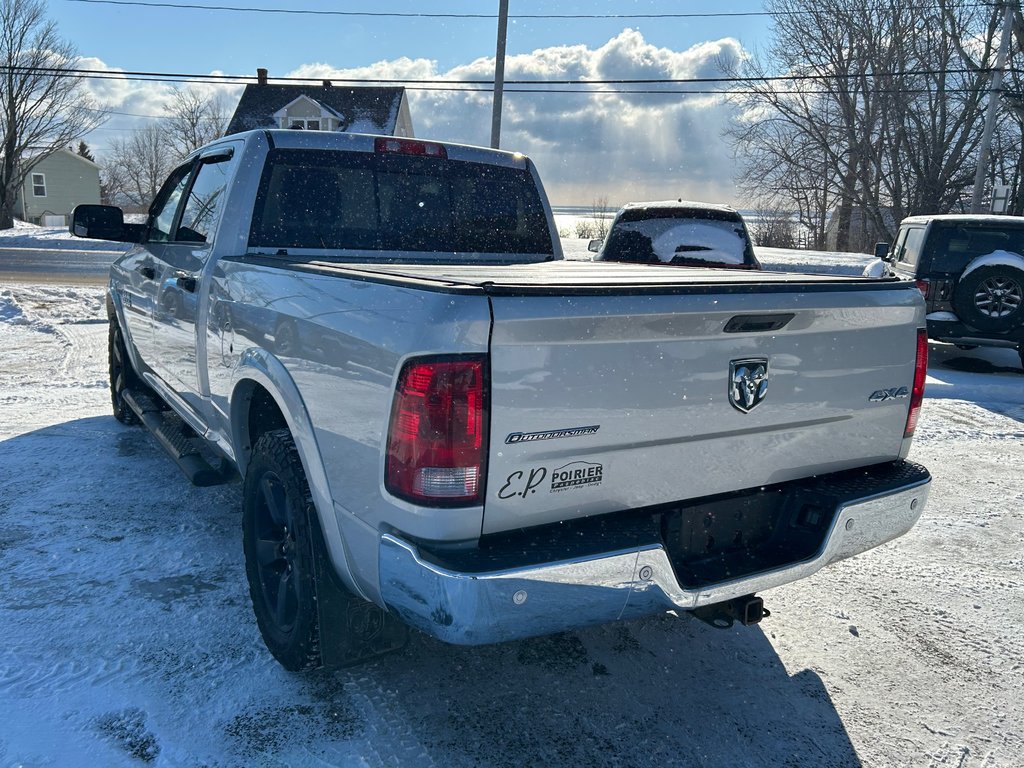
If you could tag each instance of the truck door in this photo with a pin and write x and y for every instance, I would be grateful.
(141, 291)
(179, 261)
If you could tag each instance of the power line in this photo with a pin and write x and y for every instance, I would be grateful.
(417, 15)
(443, 84)
(469, 16)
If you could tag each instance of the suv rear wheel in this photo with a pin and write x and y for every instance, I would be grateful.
(991, 298)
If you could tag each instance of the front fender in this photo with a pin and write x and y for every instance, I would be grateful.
(259, 367)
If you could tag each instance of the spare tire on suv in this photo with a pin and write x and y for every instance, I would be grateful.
(991, 298)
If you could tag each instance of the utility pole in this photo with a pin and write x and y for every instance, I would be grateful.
(993, 102)
(499, 74)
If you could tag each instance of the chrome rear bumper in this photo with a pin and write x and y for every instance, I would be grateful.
(489, 607)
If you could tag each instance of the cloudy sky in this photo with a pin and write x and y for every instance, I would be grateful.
(614, 145)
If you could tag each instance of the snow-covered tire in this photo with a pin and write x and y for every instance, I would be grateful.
(991, 298)
(122, 375)
(277, 512)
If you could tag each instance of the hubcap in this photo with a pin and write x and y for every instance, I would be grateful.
(276, 552)
(998, 297)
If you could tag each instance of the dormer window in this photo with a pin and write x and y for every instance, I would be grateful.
(306, 114)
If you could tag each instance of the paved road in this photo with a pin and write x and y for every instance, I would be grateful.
(41, 265)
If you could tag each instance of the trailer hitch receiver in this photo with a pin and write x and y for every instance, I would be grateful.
(746, 610)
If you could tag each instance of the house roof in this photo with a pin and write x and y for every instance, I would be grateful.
(34, 156)
(375, 107)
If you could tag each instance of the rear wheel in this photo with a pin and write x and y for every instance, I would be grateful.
(122, 375)
(991, 298)
(279, 560)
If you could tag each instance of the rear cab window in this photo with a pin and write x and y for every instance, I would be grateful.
(682, 237)
(374, 206)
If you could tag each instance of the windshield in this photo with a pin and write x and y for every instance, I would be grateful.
(319, 199)
(676, 239)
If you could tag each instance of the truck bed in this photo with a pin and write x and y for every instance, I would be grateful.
(575, 276)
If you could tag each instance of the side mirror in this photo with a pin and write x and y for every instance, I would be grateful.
(103, 222)
(882, 252)
(594, 245)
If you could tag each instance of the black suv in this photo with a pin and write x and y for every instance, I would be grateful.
(970, 269)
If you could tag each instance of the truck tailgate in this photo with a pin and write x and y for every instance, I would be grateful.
(603, 401)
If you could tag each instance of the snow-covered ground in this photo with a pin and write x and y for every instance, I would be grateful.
(30, 236)
(127, 636)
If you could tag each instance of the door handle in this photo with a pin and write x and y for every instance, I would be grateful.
(147, 272)
(185, 280)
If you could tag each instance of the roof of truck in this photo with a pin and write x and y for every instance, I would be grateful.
(966, 218)
(687, 205)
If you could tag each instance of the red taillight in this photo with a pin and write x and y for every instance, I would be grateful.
(437, 439)
(924, 287)
(396, 146)
(920, 372)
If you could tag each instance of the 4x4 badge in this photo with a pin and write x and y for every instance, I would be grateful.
(748, 382)
(881, 395)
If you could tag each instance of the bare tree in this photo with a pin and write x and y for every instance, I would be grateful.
(136, 166)
(884, 116)
(772, 227)
(43, 107)
(194, 120)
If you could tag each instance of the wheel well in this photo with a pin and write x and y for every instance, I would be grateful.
(257, 414)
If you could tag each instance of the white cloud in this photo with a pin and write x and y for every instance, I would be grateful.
(625, 147)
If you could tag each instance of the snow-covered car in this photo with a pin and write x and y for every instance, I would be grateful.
(678, 232)
(970, 269)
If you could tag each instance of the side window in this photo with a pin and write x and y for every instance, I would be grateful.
(204, 203)
(165, 206)
(897, 247)
(911, 251)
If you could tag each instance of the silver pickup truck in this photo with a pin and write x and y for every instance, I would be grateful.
(440, 423)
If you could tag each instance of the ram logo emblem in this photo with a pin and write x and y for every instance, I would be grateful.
(748, 382)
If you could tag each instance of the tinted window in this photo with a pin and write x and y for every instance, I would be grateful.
(339, 200)
(953, 247)
(911, 251)
(678, 237)
(165, 206)
(204, 204)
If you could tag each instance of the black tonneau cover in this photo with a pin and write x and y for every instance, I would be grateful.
(579, 277)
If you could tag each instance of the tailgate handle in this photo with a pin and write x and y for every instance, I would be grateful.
(758, 323)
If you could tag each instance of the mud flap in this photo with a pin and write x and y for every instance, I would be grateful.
(352, 630)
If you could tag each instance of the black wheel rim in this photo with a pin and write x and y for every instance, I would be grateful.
(276, 554)
(998, 297)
